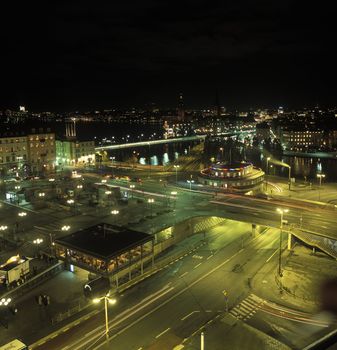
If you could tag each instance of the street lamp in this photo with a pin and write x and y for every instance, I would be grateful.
(320, 177)
(5, 301)
(103, 181)
(42, 194)
(17, 187)
(70, 201)
(79, 187)
(150, 201)
(176, 167)
(65, 228)
(281, 212)
(3, 228)
(22, 214)
(107, 301)
(132, 188)
(267, 173)
(221, 149)
(37, 242)
(289, 176)
(190, 182)
(115, 213)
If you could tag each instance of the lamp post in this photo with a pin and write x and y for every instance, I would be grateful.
(37, 242)
(289, 177)
(190, 182)
(41, 194)
(221, 149)
(132, 187)
(281, 212)
(115, 212)
(176, 167)
(150, 201)
(107, 300)
(65, 228)
(267, 173)
(320, 176)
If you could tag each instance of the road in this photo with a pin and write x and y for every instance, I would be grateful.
(186, 296)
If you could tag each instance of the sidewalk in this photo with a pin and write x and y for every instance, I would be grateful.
(278, 186)
(230, 333)
(303, 274)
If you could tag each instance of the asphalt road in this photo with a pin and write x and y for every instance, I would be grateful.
(186, 296)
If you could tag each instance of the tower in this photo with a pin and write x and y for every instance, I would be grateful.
(71, 128)
(181, 111)
(217, 103)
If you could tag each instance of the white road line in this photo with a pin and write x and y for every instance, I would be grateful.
(184, 274)
(272, 255)
(160, 334)
(197, 265)
(113, 323)
(190, 314)
(209, 257)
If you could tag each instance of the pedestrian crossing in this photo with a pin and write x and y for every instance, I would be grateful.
(247, 307)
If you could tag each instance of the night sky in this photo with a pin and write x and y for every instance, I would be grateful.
(76, 55)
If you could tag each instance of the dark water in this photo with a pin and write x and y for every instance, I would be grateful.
(165, 153)
(301, 167)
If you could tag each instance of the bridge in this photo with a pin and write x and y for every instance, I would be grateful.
(151, 143)
(171, 140)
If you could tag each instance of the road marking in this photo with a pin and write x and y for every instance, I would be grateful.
(209, 256)
(54, 335)
(160, 334)
(184, 274)
(197, 265)
(272, 255)
(113, 323)
(190, 314)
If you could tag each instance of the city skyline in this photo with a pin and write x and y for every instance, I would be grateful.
(82, 57)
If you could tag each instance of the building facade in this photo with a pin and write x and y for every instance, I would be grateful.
(71, 152)
(27, 152)
(303, 140)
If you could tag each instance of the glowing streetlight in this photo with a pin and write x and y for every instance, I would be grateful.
(132, 189)
(267, 173)
(22, 214)
(17, 187)
(176, 167)
(65, 228)
(103, 181)
(150, 201)
(221, 149)
(108, 192)
(107, 301)
(320, 177)
(51, 180)
(37, 242)
(5, 301)
(70, 201)
(42, 194)
(281, 212)
(79, 187)
(190, 182)
(3, 228)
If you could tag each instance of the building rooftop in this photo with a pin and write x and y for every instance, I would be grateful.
(230, 166)
(104, 241)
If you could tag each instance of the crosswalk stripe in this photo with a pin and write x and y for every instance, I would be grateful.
(247, 307)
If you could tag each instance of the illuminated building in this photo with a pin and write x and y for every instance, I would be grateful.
(236, 177)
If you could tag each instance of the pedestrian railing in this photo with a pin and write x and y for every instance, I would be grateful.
(34, 281)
